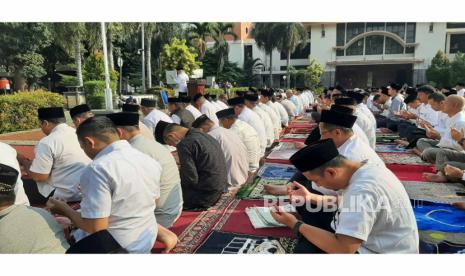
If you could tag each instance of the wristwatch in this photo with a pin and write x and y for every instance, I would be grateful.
(296, 227)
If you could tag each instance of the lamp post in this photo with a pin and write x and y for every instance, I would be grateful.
(108, 96)
(120, 65)
(142, 51)
(285, 82)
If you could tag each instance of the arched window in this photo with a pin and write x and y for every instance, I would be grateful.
(374, 45)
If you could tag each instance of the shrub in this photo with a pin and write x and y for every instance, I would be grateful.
(95, 93)
(19, 111)
(214, 91)
(66, 80)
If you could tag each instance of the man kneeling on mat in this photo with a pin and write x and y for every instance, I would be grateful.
(373, 211)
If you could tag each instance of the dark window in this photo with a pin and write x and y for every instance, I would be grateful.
(396, 28)
(375, 27)
(354, 29)
(340, 53)
(340, 34)
(374, 45)
(355, 49)
(411, 28)
(410, 50)
(296, 67)
(455, 25)
(248, 52)
(246, 30)
(457, 43)
(323, 32)
(393, 47)
(431, 27)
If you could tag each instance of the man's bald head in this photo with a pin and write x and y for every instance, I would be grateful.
(454, 104)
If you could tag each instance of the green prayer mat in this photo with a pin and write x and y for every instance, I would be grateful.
(255, 190)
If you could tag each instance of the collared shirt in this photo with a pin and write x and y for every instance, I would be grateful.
(376, 209)
(354, 149)
(371, 105)
(8, 157)
(152, 119)
(386, 107)
(249, 138)
(122, 184)
(364, 123)
(210, 110)
(235, 154)
(397, 105)
(275, 119)
(60, 156)
(428, 114)
(252, 118)
(361, 134)
(269, 127)
(457, 121)
(364, 109)
(221, 105)
(144, 130)
(170, 181)
(441, 127)
(195, 112)
(298, 104)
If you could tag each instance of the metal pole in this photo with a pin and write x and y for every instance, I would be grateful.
(120, 79)
(108, 96)
(143, 57)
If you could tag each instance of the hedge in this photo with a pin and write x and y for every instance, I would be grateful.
(19, 111)
(95, 93)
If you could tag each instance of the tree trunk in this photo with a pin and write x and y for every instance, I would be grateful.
(288, 78)
(270, 82)
(77, 57)
(148, 61)
(111, 60)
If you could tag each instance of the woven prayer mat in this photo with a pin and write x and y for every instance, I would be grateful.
(293, 138)
(229, 243)
(402, 158)
(436, 242)
(434, 192)
(257, 191)
(277, 171)
(236, 221)
(391, 148)
(301, 130)
(194, 233)
(410, 172)
(431, 216)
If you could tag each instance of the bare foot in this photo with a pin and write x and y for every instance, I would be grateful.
(386, 130)
(275, 189)
(439, 177)
(416, 151)
(401, 142)
(168, 238)
(460, 205)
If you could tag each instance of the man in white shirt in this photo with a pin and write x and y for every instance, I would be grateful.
(383, 103)
(234, 151)
(247, 115)
(453, 107)
(186, 102)
(248, 135)
(144, 130)
(362, 121)
(118, 175)
(251, 101)
(8, 157)
(205, 107)
(218, 103)
(266, 105)
(59, 160)
(80, 113)
(288, 105)
(373, 210)
(362, 108)
(397, 105)
(270, 100)
(152, 115)
(181, 80)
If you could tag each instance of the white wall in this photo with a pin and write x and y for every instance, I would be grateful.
(322, 47)
(429, 43)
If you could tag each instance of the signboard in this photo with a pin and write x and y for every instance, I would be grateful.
(197, 74)
(171, 77)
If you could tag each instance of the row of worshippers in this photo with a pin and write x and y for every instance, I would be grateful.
(347, 200)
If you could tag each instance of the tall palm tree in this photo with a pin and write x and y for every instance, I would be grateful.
(265, 37)
(291, 37)
(251, 67)
(219, 33)
(198, 34)
(69, 36)
(150, 29)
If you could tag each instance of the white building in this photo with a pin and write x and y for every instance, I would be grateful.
(359, 54)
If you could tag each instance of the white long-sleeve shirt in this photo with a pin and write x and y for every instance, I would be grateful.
(195, 112)
(252, 118)
(282, 113)
(364, 123)
(269, 127)
(275, 119)
(250, 139)
(210, 110)
(152, 119)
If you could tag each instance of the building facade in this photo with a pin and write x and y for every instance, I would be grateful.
(358, 54)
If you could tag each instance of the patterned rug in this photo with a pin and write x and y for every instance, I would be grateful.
(229, 243)
(402, 158)
(440, 217)
(195, 233)
(256, 189)
(434, 192)
(391, 148)
(276, 171)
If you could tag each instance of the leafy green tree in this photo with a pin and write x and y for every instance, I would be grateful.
(438, 73)
(219, 33)
(265, 37)
(313, 74)
(198, 34)
(251, 69)
(32, 69)
(457, 67)
(231, 71)
(177, 53)
(291, 36)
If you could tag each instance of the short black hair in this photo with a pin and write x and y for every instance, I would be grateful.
(426, 89)
(376, 97)
(336, 162)
(100, 127)
(200, 121)
(437, 97)
(197, 97)
(170, 128)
